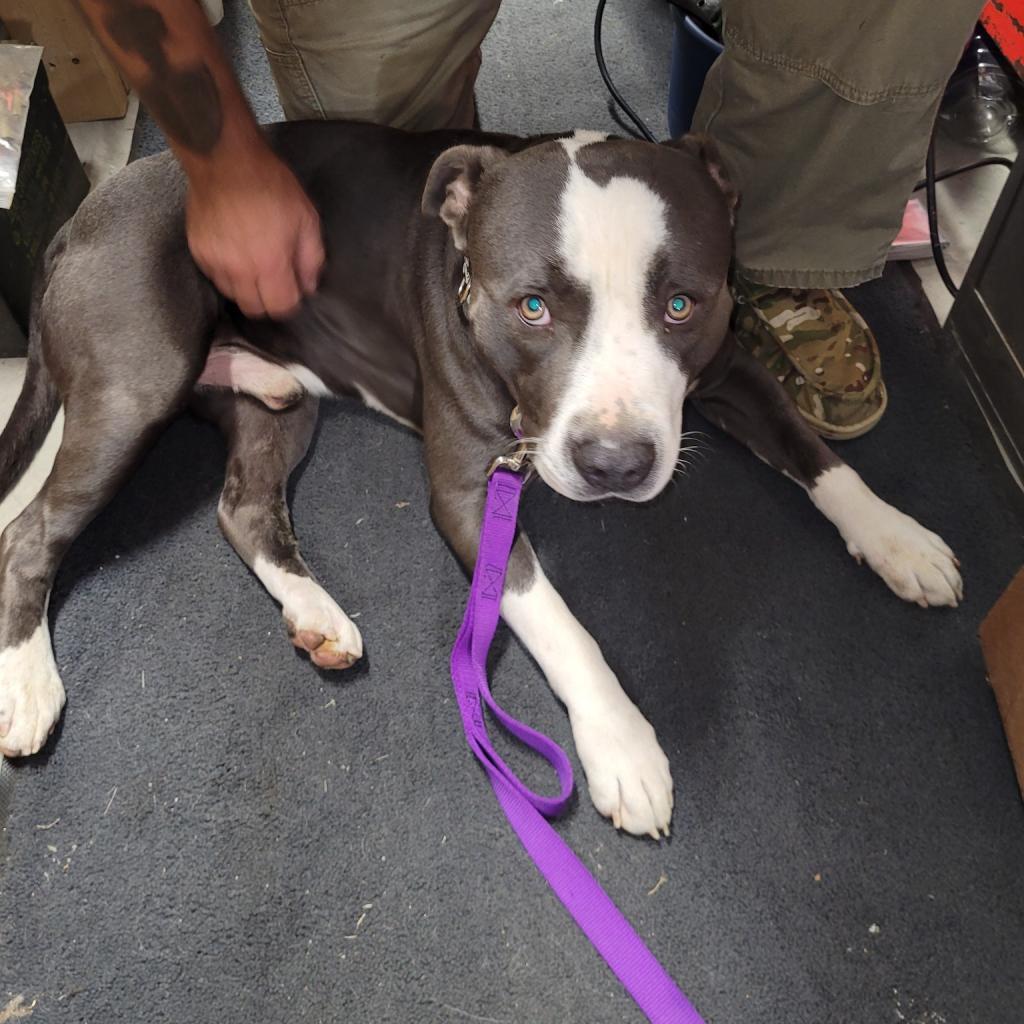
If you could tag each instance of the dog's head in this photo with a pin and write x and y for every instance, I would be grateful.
(598, 294)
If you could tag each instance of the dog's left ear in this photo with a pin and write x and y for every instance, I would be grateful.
(705, 150)
(452, 185)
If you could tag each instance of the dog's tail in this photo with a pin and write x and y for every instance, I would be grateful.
(38, 402)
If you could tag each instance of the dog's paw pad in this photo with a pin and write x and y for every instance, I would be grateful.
(627, 771)
(325, 652)
(31, 695)
(317, 625)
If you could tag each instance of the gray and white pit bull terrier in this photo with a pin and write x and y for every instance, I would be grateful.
(597, 302)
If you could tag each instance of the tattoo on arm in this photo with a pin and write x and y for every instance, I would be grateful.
(185, 101)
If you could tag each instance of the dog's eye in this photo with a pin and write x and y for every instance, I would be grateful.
(679, 309)
(534, 311)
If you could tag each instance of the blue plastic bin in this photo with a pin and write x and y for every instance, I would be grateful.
(693, 52)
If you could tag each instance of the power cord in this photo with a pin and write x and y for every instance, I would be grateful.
(603, 68)
(989, 161)
(931, 179)
(933, 220)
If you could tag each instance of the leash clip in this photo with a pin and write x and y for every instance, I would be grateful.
(517, 461)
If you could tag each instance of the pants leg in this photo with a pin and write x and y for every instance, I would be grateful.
(822, 112)
(408, 63)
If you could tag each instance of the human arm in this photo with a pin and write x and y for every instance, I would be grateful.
(251, 227)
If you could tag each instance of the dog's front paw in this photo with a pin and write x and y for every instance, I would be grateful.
(316, 624)
(916, 563)
(627, 772)
(31, 695)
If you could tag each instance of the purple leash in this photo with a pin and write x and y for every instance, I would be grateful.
(602, 922)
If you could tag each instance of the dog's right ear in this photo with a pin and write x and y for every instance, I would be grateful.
(452, 185)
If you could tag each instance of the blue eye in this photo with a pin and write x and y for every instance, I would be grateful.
(533, 310)
(679, 309)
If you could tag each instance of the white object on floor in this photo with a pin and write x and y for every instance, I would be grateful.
(104, 146)
(12, 372)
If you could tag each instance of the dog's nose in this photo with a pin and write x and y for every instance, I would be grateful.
(615, 466)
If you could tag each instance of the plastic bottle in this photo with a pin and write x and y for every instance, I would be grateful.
(978, 106)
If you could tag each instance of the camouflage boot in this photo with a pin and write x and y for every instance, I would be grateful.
(821, 351)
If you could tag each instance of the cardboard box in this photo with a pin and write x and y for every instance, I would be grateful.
(39, 165)
(1002, 644)
(83, 79)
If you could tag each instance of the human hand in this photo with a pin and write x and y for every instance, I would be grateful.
(253, 231)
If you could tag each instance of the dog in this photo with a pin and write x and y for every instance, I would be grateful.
(581, 280)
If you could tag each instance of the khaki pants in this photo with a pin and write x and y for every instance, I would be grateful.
(822, 109)
(407, 63)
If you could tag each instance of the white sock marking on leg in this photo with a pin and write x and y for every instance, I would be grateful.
(626, 770)
(307, 606)
(916, 564)
(31, 693)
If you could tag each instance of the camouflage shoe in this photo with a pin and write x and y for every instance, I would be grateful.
(821, 351)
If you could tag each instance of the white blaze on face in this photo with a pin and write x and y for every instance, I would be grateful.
(609, 236)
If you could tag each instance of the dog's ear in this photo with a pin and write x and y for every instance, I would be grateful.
(452, 185)
(704, 149)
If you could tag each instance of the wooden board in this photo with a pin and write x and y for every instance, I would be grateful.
(1002, 643)
(83, 79)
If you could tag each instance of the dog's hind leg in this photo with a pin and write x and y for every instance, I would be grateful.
(107, 425)
(120, 324)
(263, 449)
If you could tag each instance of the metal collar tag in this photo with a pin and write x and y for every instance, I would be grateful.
(466, 284)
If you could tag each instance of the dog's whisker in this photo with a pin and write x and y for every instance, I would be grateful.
(698, 450)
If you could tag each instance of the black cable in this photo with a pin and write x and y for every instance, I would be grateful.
(989, 161)
(616, 115)
(930, 180)
(603, 68)
(933, 219)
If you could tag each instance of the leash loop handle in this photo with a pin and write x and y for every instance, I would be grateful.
(475, 636)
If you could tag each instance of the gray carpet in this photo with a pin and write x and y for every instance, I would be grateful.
(218, 833)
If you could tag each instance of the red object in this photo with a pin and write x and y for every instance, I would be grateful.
(1004, 22)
